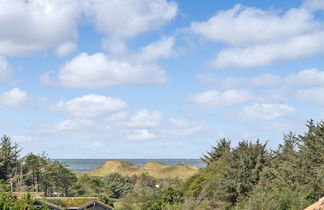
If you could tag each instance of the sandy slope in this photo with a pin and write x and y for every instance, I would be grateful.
(154, 169)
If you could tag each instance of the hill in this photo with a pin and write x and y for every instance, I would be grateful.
(154, 169)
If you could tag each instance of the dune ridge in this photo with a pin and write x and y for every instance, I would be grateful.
(155, 169)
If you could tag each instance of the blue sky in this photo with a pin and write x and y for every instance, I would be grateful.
(157, 78)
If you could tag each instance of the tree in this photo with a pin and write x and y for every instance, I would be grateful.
(117, 185)
(32, 165)
(9, 154)
(222, 148)
(57, 178)
(242, 171)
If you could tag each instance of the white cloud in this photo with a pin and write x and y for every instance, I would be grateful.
(73, 124)
(13, 97)
(267, 111)
(182, 127)
(117, 117)
(21, 139)
(65, 49)
(307, 77)
(211, 80)
(246, 25)
(145, 118)
(160, 49)
(28, 26)
(5, 69)
(263, 54)
(90, 106)
(120, 21)
(93, 71)
(126, 19)
(217, 99)
(76, 128)
(315, 95)
(47, 78)
(141, 134)
(260, 37)
(314, 4)
(98, 144)
(266, 80)
(263, 80)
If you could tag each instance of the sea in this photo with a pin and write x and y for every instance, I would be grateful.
(84, 165)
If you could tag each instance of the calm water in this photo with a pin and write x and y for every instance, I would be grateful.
(82, 165)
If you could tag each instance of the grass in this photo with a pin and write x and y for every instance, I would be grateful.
(67, 201)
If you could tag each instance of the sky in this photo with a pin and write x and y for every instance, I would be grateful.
(157, 78)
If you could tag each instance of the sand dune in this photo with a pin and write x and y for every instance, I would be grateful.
(155, 169)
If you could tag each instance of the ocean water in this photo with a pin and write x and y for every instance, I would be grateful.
(83, 165)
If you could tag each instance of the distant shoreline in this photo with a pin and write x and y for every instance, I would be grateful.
(84, 165)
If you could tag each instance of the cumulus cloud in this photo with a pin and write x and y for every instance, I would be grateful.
(65, 49)
(28, 26)
(123, 20)
(307, 77)
(217, 99)
(181, 127)
(73, 124)
(144, 119)
(247, 25)
(121, 116)
(5, 69)
(211, 80)
(13, 97)
(263, 80)
(314, 4)
(21, 139)
(267, 111)
(76, 128)
(314, 95)
(140, 134)
(263, 54)
(266, 80)
(260, 37)
(93, 71)
(163, 48)
(90, 106)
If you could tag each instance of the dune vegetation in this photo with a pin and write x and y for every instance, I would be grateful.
(247, 176)
(154, 169)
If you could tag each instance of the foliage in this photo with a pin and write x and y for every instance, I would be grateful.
(33, 173)
(9, 155)
(222, 148)
(10, 202)
(117, 185)
(143, 181)
(249, 176)
(88, 186)
(32, 167)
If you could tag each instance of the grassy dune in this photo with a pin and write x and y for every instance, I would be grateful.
(154, 169)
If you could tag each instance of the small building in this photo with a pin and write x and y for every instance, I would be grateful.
(71, 203)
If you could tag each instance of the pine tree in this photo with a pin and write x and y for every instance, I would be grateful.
(9, 162)
(222, 148)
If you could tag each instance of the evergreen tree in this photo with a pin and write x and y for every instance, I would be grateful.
(222, 148)
(9, 160)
